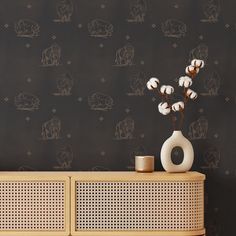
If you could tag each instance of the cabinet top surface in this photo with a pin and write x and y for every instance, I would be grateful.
(109, 175)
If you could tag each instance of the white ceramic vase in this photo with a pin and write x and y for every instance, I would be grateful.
(177, 140)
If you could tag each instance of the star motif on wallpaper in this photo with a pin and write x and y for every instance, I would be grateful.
(29, 80)
(101, 45)
(201, 110)
(68, 135)
(200, 37)
(29, 153)
(103, 6)
(216, 135)
(6, 99)
(79, 99)
(54, 110)
(174, 45)
(153, 99)
(227, 26)
(127, 110)
(216, 209)
(6, 25)
(102, 80)
(54, 37)
(102, 153)
(154, 26)
(27, 118)
(101, 118)
(227, 172)
(127, 37)
(227, 99)
(80, 26)
(142, 62)
(29, 6)
(68, 62)
(142, 135)
(176, 6)
(27, 45)
(216, 62)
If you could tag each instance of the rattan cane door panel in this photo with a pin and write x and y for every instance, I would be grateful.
(140, 206)
(34, 205)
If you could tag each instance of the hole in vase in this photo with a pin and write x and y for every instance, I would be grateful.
(177, 155)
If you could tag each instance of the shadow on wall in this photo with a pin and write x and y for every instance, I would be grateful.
(217, 206)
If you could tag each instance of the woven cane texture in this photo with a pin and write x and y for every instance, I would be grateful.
(172, 206)
(32, 205)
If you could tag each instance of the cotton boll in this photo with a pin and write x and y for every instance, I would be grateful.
(166, 112)
(153, 83)
(203, 64)
(178, 106)
(163, 108)
(185, 81)
(197, 63)
(188, 83)
(191, 94)
(154, 79)
(164, 105)
(166, 89)
(169, 89)
(191, 70)
(160, 110)
(150, 86)
(162, 89)
(160, 105)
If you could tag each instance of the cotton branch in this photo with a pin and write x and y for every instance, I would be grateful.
(165, 91)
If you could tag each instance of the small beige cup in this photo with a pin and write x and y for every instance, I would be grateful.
(144, 163)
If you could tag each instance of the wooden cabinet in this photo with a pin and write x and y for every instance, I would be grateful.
(34, 204)
(101, 203)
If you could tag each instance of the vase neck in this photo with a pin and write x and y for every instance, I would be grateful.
(177, 132)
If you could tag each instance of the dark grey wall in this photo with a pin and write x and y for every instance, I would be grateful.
(72, 87)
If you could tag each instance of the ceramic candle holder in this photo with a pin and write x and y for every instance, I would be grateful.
(144, 163)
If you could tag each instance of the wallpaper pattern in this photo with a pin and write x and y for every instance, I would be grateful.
(73, 96)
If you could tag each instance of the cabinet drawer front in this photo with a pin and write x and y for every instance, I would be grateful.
(138, 206)
(34, 205)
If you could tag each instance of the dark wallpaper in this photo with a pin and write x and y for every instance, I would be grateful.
(72, 87)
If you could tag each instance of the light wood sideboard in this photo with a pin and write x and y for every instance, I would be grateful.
(101, 203)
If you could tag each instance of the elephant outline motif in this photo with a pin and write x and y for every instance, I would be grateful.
(100, 28)
(212, 84)
(51, 129)
(26, 28)
(26, 102)
(198, 129)
(200, 52)
(211, 158)
(124, 129)
(64, 85)
(64, 9)
(125, 56)
(211, 11)
(174, 28)
(51, 55)
(137, 84)
(64, 158)
(100, 102)
(138, 11)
